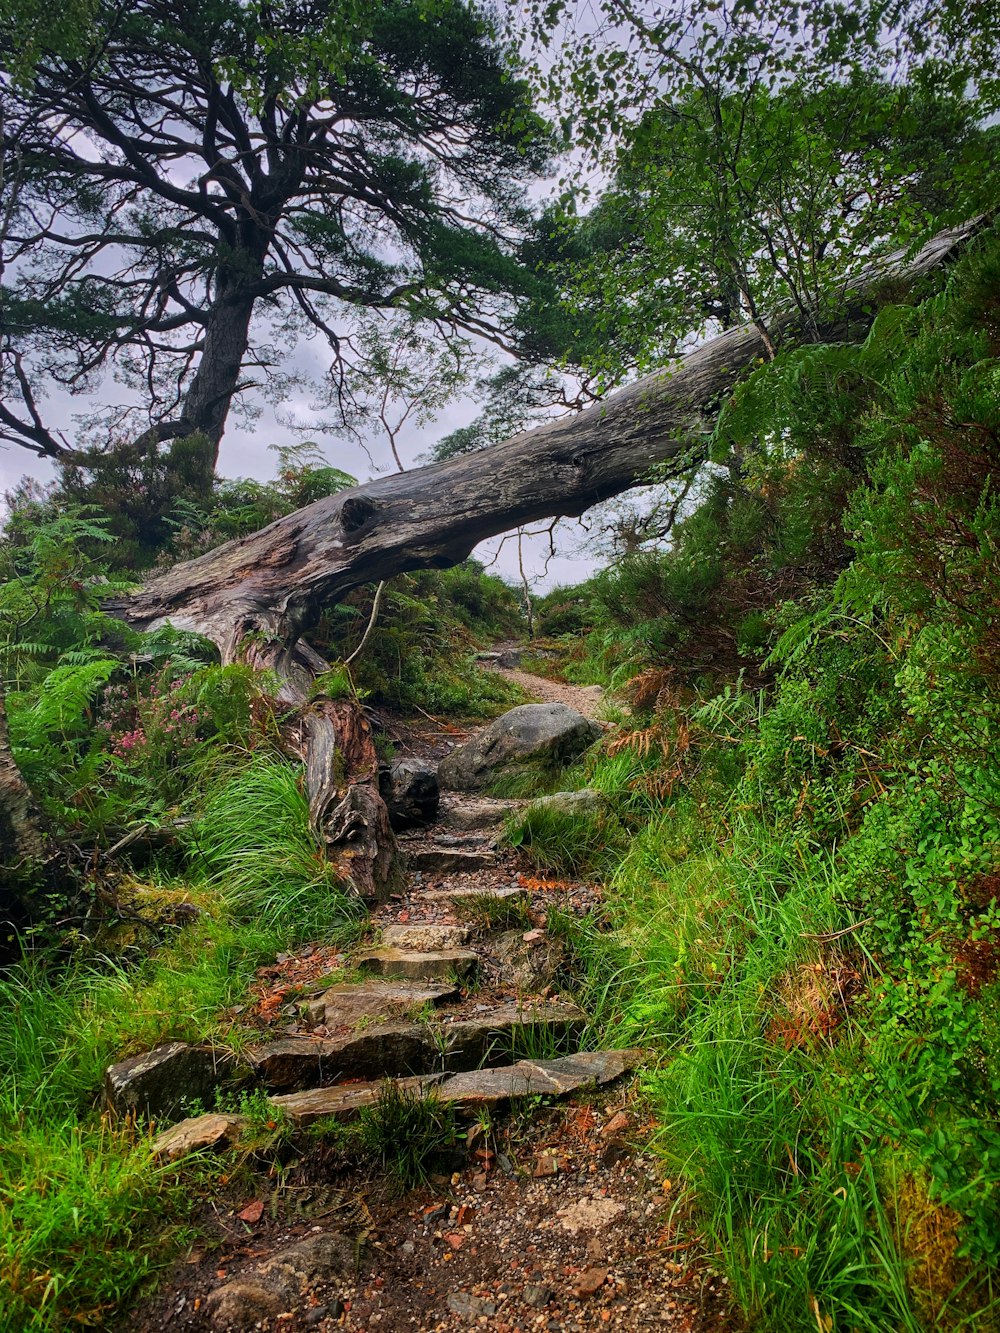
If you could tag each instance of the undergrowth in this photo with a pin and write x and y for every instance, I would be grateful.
(802, 906)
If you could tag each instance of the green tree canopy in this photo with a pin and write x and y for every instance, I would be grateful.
(758, 153)
(189, 189)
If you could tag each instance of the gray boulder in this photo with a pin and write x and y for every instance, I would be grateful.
(160, 1083)
(546, 735)
(583, 802)
(411, 792)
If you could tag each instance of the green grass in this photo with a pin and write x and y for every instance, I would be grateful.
(86, 1215)
(566, 842)
(256, 845)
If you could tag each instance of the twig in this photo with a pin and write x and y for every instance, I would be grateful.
(371, 624)
(837, 934)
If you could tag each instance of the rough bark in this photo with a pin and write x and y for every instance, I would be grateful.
(22, 839)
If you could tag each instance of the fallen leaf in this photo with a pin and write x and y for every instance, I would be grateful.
(253, 1212)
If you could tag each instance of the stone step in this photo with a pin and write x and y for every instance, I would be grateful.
(440, 859)
(480, 812)
(387, 1050)
(463, 895)
(481, 1088)
(425, 936)
(417, 965)
(470, 1091)
(348, 1004)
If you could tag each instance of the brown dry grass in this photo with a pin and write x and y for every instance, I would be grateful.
(813, 1000)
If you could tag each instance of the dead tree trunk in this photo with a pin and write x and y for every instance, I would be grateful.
(258, 595)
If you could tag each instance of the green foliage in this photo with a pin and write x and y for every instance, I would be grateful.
(436, 106)
(566, 841)
(85, 1214)
(804, 922)
(421, 650)
(257, 845)
(405, 1131)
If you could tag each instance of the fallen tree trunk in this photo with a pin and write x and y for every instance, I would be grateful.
(274, 583)
(256, 596)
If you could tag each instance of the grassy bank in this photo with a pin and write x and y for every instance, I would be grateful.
(800, 836)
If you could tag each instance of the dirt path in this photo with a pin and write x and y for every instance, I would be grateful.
(586, 699)
(537, 1213)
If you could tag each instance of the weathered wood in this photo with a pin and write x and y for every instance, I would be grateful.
(22, 843)
(274, 583)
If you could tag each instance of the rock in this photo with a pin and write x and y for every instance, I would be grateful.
(590, 1282)
(469, 1042)
(584, 802)
(318, 1256)
(480, 812)
(411, 792)
(159, 1083)
(528, 964)
(350, 1003)
(379, 1051)
(340, 1103)
(418, 966)
(548, 735)
(384, 1050)
(280, 1283)
(590, 1215)
(241, 1305)
(467, 895)
(467, 1306)
(537, 1297)
(477, 1088)
(618, 1123)
(424, 936)
(196, 1133)
(435, 859)
(534, 1078)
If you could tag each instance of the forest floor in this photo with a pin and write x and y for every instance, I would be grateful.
(553, 1216)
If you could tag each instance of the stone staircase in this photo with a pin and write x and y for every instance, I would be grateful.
(436, 1000)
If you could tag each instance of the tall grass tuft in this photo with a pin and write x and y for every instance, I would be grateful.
(258, 848)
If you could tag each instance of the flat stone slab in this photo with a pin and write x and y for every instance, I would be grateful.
(417, 965)
(381, 1051)
(462, 895)
(157, 1084)
(466, 1043)
(425, 936)
(434, 859)
(343, 1102)
(349, 1003)
(482, 1087)
(197, 1133)
(535, 1078)
(481, 812)
(393, 1049)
